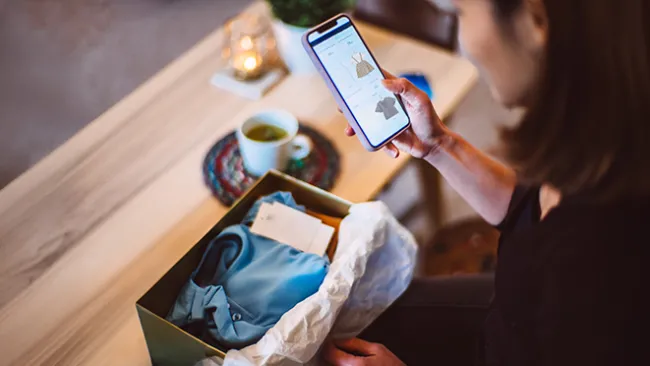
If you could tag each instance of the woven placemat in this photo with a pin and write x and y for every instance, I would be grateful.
(224, 173)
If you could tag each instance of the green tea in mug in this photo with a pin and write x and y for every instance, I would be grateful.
(266, 133)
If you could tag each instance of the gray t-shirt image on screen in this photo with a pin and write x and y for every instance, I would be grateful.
(387, 107)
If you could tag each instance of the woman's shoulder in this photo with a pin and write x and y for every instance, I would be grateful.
(596, 238)
(575, 236)
(617, 218)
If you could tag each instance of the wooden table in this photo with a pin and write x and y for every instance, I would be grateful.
(89, 229)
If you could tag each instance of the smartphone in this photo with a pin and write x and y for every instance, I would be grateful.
(354, 77)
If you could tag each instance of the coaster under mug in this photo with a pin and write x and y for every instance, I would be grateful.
(224, 173)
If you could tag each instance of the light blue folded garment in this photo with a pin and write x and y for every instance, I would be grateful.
(244, 284)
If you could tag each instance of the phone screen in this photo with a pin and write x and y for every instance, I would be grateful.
(357, 77)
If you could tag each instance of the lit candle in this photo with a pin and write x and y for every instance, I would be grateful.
(247, 65)
(250, 63)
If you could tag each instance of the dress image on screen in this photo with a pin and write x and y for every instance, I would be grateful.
(363, 67)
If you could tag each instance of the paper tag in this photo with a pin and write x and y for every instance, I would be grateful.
(321, 240)
(289, 226)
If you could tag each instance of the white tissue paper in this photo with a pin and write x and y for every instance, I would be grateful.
(372, 267)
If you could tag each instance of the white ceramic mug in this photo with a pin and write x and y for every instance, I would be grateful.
(262, 156)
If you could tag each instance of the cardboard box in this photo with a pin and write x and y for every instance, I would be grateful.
(167, 343)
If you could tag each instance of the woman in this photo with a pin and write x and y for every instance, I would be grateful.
(570, 285)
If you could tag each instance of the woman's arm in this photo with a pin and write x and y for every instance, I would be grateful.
(484, 183)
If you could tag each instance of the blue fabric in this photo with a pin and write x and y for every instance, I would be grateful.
(244, 284)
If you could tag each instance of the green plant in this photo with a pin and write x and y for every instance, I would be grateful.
(308, 13)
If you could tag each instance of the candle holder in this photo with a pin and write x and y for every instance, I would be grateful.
(250, 52)
(249, 41)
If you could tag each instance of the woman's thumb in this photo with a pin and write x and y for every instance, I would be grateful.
(405, 89)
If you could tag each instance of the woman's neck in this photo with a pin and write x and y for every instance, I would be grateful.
(549, 198)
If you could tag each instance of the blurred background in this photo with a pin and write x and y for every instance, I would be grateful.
(65, 62)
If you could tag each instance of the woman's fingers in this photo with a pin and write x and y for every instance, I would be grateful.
(358, 346)
(406, 90)
(336, 356)
(391, 150)
(349, 131)
(388, 75)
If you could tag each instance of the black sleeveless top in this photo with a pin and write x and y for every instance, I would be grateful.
(573, 289)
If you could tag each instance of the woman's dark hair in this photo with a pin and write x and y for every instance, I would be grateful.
(587, 129)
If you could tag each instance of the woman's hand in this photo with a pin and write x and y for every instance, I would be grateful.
(426, 133)
(357, 352)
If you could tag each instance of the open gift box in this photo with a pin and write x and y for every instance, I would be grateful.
(169, 344)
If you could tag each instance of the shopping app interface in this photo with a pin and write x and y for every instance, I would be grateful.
(358, 79)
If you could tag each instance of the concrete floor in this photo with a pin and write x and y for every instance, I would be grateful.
(64, 62)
